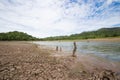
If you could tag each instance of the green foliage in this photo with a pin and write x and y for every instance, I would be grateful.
(16, 36)
(101, 33)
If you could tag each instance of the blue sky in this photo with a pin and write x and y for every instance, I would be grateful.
(43, 18)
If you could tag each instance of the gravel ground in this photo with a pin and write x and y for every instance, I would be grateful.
(25, 61)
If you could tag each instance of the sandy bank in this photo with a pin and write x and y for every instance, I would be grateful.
(25, 61)
(106, 39)
(111, 39)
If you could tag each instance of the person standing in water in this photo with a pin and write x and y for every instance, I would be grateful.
(56, 48)
(74, 49)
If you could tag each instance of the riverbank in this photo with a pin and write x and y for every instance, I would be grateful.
(27, 61)
(110, 39)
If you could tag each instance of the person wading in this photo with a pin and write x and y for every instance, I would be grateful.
(56, 48)
(74, 49)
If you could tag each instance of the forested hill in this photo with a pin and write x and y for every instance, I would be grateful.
(16, 36)
(101, 33)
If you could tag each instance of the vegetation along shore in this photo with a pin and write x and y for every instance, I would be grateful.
(98, 34)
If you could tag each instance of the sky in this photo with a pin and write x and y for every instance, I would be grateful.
(45, 18)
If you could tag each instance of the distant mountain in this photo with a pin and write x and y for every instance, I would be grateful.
(101, 33)
(16, 36)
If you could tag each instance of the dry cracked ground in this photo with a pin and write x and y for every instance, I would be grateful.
(26, 61)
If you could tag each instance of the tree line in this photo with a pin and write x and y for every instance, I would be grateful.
(16, 36)
(101, 33)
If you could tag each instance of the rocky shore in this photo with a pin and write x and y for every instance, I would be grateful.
(26, 61)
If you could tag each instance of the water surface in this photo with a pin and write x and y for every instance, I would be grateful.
(108, 50)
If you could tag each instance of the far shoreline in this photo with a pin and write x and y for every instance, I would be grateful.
(109, 39)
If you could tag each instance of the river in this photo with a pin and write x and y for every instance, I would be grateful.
(108, 50)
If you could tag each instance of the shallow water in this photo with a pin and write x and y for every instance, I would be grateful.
(108, 50)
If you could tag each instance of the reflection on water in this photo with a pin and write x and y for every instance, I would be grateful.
(109, 50)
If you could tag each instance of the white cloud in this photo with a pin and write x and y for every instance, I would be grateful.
(109, 1)
(56, 17)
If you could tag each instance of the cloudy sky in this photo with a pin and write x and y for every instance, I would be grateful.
(43, 18)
